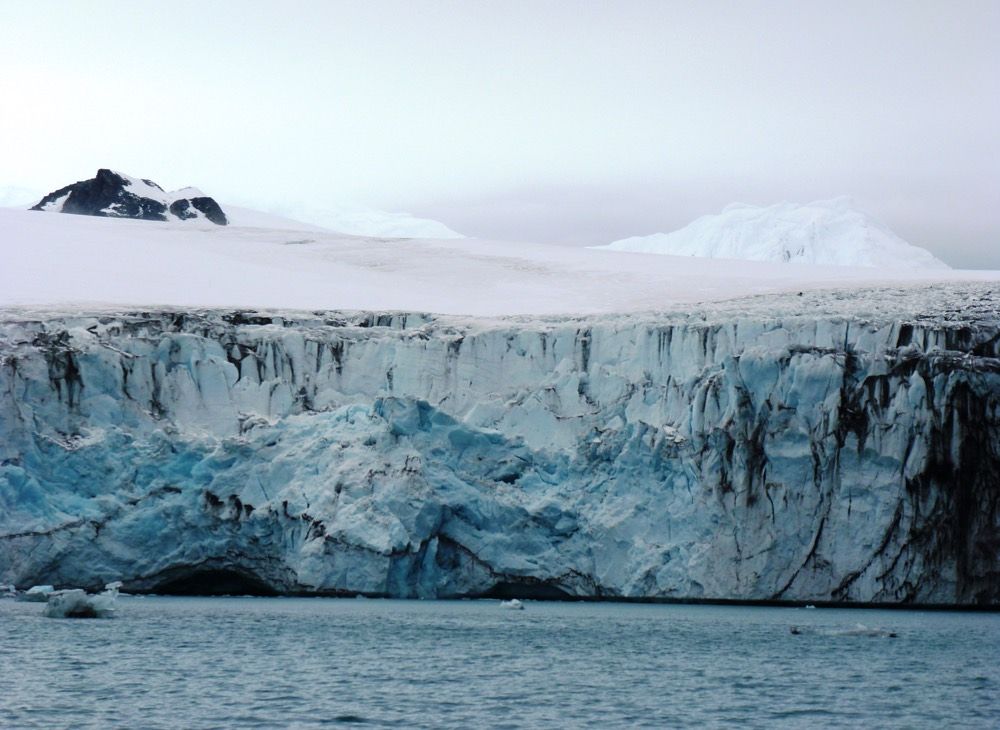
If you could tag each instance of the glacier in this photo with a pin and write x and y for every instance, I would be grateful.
(828, 232)
(839, 446)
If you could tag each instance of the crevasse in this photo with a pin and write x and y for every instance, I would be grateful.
(783, 448)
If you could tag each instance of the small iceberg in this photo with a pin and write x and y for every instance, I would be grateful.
(858, 630)
(77, 603)
(36, 594)
(862, 630)
(512, 605)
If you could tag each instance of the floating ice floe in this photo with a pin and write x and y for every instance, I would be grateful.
(858, 630)
(512, 605)
(77, 603)
(862, 630)
(36, 594)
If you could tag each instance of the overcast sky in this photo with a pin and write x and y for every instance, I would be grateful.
(569, 122)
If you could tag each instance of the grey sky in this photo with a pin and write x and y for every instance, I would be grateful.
(570, 122)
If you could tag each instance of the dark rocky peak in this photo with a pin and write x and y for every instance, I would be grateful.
(112, 194)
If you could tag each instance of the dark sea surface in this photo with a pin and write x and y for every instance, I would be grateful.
(300, 662)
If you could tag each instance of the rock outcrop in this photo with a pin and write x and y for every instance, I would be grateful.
(115, 195)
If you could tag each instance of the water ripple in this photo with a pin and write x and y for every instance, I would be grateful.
(307, 663)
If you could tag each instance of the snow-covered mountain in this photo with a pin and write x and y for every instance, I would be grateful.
(113, 194)
(832, 232)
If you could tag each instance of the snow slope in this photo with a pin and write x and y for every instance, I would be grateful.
(16, 196)
(250, 218)
(358, 220)
(347, 220)
(57, 259)
(832, 232)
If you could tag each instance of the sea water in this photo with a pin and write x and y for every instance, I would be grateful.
(299, 662)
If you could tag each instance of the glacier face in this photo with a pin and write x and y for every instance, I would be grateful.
(823, 447)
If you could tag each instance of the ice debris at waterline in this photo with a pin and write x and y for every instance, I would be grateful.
(77, 603)
(842, 446)
(36, 594)
(512, 605)
(857, 630)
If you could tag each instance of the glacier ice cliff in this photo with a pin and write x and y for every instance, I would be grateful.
(826, 447)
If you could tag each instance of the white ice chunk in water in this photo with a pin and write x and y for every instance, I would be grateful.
(37, 594)
(77, 603)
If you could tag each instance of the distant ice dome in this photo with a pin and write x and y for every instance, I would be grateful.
(15, 196)
(832, 232)
(111, 194)
(358, 220)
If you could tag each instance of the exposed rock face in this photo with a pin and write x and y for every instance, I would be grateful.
(207, 206)
(112, 194)
(775, 449)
